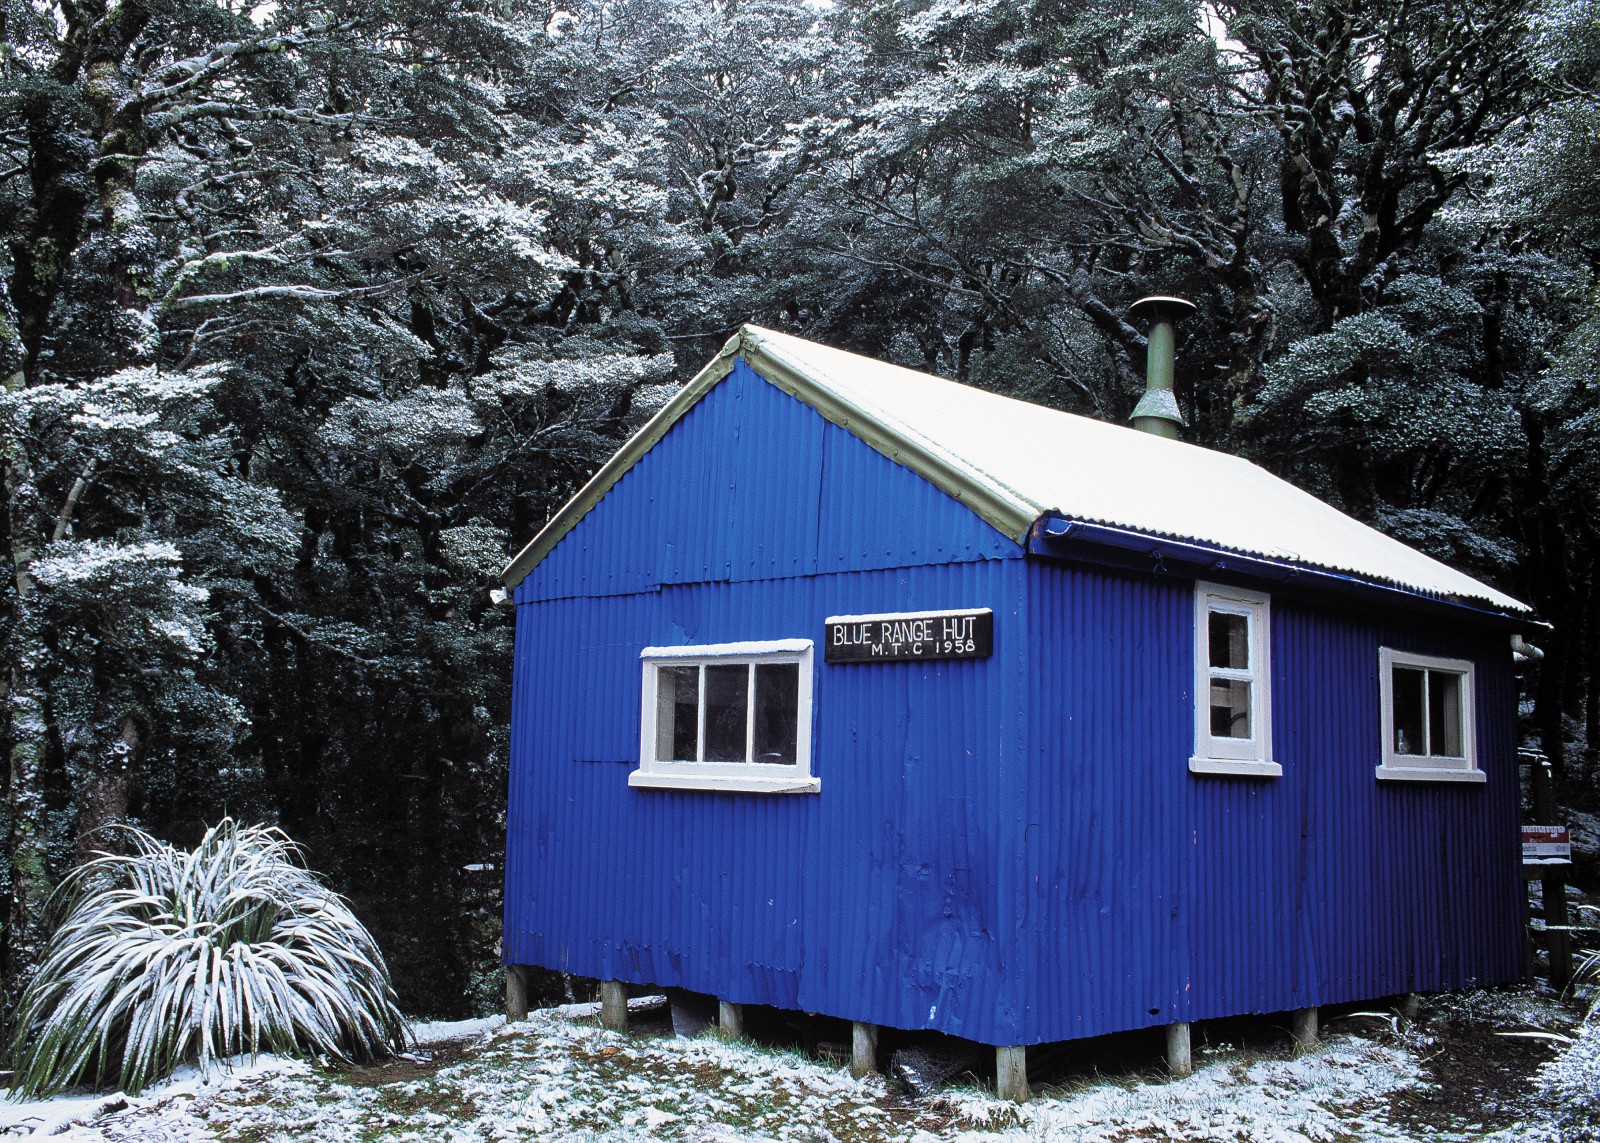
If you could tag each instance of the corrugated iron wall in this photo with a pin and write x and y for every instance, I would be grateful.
(1160, 895)
(1010, 850)
(753, 484)
(1105, 909)
(876, 900)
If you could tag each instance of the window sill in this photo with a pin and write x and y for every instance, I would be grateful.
(1235, 767)
(727, 783)
(1428, 774)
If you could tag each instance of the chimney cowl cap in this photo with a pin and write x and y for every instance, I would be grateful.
(1160, 306)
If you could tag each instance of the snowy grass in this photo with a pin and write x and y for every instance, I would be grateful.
(560, 1077)
(1504, 1009)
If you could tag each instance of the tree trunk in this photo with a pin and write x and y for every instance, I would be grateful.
(1555, 598)
(51, 226)
(1591, 674)
(27, 716)
(103, 800)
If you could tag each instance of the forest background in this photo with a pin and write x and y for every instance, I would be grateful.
(312, 310)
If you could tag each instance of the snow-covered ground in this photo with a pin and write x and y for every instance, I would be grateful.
(560, 1077)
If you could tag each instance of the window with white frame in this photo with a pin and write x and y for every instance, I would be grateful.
(1233, 701)
(727, 716)
(1426, 705)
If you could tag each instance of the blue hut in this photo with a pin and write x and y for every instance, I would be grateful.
(851, 690)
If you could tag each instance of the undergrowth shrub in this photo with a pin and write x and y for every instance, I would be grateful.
(165, 957)
(1570, 1083)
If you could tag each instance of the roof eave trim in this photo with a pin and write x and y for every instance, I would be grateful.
(1057, 534)
(1009, 513)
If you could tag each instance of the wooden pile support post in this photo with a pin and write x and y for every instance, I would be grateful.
(1180, 1051)
(863, 1049)
(1011, 1074)
(516, 993)
(614, 1005)
(1303, 1029)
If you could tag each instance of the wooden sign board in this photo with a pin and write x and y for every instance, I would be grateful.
(1546, 845)
(909, 635)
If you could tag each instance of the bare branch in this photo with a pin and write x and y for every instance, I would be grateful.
(299, 292)
(74, 494)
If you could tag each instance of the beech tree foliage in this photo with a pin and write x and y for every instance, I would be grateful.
(312, 312)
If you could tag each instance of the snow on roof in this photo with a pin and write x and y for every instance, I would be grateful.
(1013, 462)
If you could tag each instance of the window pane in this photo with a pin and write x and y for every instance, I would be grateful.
(777, 712)
(677, 710)
(726, 705)
(1230, 641)
(1444, 714)
(1230, 708)
(1407, 689)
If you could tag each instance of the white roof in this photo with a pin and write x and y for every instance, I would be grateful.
(1020, 461)
(1088, 470)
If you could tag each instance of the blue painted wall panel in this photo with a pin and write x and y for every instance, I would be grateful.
(1106, 839)
(876, 900)
(1162, 895)
(753, 484)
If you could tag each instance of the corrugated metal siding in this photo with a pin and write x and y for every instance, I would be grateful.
(1105, 909)
(1411, 886)
(1161, 895)
(877, 900)
(753, 484)
(1010, 850)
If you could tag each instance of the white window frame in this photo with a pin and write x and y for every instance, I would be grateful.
(754, 777)
(1245, 757)
(1397, 767)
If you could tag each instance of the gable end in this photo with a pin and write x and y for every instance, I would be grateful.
(1007, 511)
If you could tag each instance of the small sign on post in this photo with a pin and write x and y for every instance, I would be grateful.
(909, 635)
(1546, 845)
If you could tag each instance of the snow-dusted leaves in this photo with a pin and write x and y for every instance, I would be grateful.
(404, 426)
(141, 409)
(138, 584)
(402, 192)
(524, 374)
(1447, 537)
(165, 956)
(1400, 385)
(475, 548)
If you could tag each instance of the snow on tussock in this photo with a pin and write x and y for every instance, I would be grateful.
(555, 1079)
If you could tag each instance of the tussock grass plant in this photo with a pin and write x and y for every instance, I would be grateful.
(165, 956)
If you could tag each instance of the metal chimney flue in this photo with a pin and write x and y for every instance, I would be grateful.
(1157, 411)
